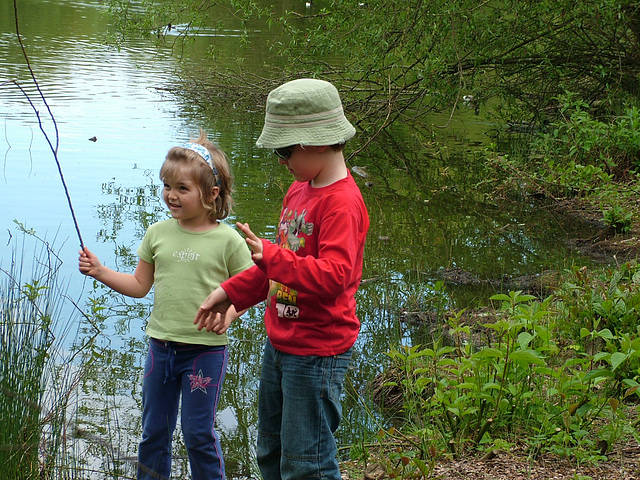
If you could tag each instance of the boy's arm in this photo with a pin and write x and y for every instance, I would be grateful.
(135, 285)
(337, 264)
(247, 288)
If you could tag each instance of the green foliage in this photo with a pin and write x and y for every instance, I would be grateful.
(405, 59)
(580, 156)
(149, 18)
(618, 218)
(605, 309)
(23, 354)
(607, 300)
(26, 355)
(556, 374)
(38, 373)
(513, 50)
(579, 137)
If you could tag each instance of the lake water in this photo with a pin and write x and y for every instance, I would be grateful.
(427, 213)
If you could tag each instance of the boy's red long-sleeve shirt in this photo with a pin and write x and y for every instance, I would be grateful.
(310, 275)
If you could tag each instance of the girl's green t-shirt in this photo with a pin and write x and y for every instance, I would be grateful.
(188, 266)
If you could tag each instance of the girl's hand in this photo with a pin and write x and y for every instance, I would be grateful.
(219, 322)
(255, 244)
(135, 285)
(213, 312)
(88, 263)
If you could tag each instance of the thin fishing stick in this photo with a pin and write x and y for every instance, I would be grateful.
(54, 150)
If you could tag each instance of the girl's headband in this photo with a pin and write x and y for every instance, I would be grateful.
(206, 156)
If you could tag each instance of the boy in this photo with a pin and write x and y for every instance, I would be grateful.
(309, 278)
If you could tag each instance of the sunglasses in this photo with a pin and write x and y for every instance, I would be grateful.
(284, 152)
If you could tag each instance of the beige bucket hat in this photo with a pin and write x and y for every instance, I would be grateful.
(304, 112)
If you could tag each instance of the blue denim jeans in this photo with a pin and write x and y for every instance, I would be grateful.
(196, 373)
(299, 409)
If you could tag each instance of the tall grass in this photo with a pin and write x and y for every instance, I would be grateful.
(38, 371)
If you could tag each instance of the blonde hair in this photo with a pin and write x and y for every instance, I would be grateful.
(180, 159)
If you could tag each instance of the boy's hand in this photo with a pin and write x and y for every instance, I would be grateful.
(216, 313)
(88, 263)
(255, 244)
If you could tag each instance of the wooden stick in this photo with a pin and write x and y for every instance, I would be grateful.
(54, 149)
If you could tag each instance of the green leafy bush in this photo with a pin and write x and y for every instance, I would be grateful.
(556, 375)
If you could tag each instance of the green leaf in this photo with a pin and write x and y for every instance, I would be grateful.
(422, 466)
(491, 385)
(468, 385)
(617, 359)
(597, 374)
(501, 297)
(524, 339)
(601, 356)
(489, 353)
(527, 357)
(605, 333)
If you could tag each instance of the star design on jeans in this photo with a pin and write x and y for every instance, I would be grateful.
(199, 382)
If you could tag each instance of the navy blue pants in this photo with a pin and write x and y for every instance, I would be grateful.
(196, 373)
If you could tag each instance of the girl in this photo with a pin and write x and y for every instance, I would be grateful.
(185, 257)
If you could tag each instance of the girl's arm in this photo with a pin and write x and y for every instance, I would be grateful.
(135, 285)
